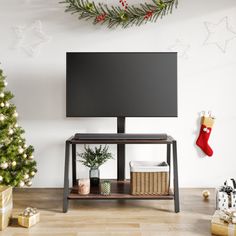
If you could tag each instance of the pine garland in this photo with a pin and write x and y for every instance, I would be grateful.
(17, 166)
(115, 15)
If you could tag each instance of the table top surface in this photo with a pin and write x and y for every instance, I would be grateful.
(106, 139)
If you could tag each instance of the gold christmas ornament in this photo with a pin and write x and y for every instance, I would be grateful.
(24, 155)
(24, 146)
(5, 83)
(205, 194)
(31, 157)
(1, 178)
(2, 95)
(13, 163)
(32, 173)
(2, 104)
(16, 125)
(15, 114)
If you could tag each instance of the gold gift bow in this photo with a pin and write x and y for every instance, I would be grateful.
(29, 211)
(228, 216)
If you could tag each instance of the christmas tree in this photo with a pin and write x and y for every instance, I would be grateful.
(17, 164)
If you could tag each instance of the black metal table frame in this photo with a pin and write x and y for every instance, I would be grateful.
(72, 142)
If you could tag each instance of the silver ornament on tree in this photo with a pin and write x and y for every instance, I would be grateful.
(2, 117)
(26, 176)
(21, 184)
(20, 150)
(5, 83)
(15, 114)
(29, 183)
(4, 165)
(7, 104)
(10, 132)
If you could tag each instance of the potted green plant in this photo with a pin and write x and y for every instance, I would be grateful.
(94, 158)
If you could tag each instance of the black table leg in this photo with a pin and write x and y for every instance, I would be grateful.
(74, 164)
(176, 185)
(168, 159)
(168, 154)
(121, 162)
(66, 177)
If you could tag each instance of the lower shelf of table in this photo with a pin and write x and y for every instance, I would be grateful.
(119, 190)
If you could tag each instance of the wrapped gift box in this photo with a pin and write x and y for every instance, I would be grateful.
(220, 227)
(28, 221)
(5, 206)
(222, 200)
(233, 199)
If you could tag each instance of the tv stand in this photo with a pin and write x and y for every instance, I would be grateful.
(120, 187)
(120, 135)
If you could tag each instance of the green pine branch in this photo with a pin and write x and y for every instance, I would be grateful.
(115, 15)
(95, 157)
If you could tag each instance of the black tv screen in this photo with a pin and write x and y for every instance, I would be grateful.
(121, 84)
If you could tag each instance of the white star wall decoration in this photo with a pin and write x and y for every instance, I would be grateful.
(219, 34)
(30, 38)
(181, 48)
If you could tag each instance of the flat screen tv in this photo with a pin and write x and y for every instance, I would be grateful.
(121, 84)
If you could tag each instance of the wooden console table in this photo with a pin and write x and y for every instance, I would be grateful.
(120, 188)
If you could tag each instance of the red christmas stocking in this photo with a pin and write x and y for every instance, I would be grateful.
(204, 135)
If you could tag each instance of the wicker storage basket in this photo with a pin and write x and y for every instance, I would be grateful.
(149, 178)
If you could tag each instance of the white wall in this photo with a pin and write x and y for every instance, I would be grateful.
(207, 81)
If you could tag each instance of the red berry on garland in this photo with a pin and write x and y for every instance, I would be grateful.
(124, 4)
(148, 14)
(101, 17)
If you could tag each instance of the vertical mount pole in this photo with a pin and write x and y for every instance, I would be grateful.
(120, 150)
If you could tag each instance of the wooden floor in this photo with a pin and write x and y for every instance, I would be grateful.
(114, 218)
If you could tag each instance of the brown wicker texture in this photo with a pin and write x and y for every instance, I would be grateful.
(149, 183)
